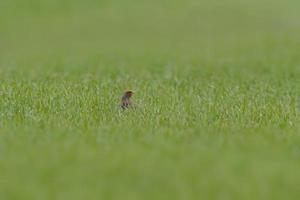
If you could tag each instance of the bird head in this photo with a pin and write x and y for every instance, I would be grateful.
(128, 93)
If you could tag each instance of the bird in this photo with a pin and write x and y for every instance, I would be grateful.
(125, 101)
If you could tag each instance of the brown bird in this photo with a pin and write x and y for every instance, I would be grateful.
(125, 102)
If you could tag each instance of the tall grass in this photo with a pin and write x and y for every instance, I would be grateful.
(216, 92)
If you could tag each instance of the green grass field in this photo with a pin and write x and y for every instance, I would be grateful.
(217, 88)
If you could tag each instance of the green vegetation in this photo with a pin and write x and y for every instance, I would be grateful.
(217, 92)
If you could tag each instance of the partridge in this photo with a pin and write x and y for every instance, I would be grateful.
(125, 101)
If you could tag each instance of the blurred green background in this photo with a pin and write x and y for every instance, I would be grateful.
(145, 28)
